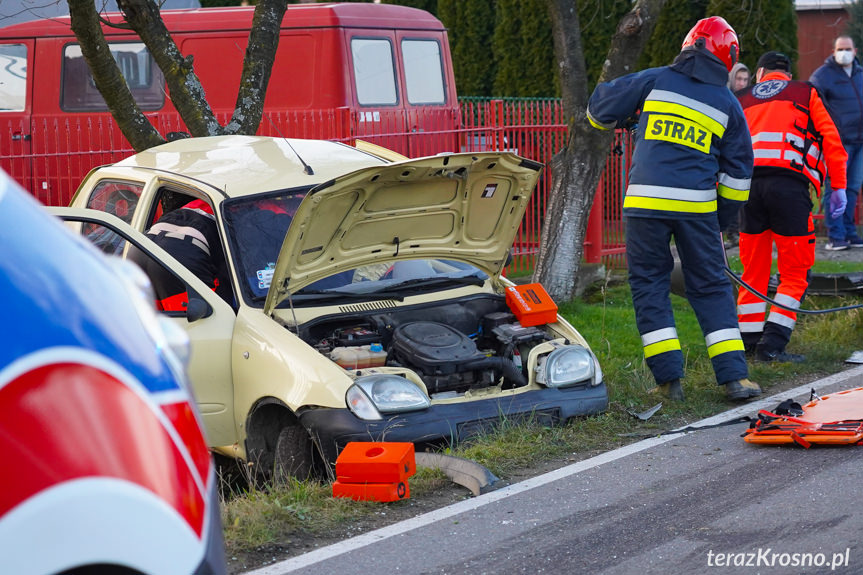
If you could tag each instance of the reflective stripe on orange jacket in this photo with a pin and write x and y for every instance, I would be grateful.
(792, 129)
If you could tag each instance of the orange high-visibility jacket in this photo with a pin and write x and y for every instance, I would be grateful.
(792, 129)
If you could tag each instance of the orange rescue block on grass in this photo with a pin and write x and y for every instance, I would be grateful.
(383, 492)
(376, 471)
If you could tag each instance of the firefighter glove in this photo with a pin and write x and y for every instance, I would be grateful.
(837, 203)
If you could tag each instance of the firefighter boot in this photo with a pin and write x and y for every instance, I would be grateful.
(742, 390)
(670, 390)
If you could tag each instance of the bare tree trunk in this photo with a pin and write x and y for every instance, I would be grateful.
(134, 124)
(257, 66)
(184, 87)
(578, 167)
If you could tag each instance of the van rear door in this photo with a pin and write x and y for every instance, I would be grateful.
(429, 93)
(16, 89)
(378, 99)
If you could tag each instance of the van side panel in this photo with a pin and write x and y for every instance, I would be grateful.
(312, 93)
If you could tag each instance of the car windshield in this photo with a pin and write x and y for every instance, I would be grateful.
(256, 227)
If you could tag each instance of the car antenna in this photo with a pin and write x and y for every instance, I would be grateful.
(306, 168)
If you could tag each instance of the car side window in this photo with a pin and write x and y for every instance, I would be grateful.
(104, 238)
(171, 293)
(116, 197)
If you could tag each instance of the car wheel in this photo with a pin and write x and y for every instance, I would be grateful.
(294, 455)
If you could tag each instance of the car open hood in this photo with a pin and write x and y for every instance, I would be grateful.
(463, 207)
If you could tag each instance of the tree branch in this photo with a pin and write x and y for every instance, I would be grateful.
(109, 81)
(257, 66)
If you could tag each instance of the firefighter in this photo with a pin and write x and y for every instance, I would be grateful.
(190, 235)
(690, 173)
(793, 137)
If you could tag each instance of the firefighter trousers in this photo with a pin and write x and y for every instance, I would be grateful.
(709, 292)
(778, 211)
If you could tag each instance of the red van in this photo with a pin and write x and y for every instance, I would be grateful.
(342, 71)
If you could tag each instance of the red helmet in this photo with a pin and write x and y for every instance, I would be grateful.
(718, 37)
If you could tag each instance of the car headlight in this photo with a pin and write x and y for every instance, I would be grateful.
(373, 395)
(569, 365)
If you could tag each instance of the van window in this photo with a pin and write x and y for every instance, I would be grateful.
(374, 71)
(13, 77)
(145, 80)
(423, 71)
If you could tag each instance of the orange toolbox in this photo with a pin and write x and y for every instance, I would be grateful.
(383, 492)
(376, 462)
(531, 304)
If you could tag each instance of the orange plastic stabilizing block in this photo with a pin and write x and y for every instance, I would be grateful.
(531, 304)
(372, 491)
(376, 462)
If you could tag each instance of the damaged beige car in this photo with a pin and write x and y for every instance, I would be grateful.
(366, 299)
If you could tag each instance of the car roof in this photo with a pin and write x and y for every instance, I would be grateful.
(243, 165)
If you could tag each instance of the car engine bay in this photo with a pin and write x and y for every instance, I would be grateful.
(452, 346)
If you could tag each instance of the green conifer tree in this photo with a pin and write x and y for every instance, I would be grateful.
(599, 19)
(761, 26)
(854, 26)
(538, 66)
(676, 20)
(506, 47)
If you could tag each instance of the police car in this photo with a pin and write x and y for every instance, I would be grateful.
(105, 463)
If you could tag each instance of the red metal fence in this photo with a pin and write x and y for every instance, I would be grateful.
(52, 154)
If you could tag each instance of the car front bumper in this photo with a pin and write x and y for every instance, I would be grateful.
(453, 422)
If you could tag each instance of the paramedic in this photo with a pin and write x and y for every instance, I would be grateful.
(793, 138)
(692, 136)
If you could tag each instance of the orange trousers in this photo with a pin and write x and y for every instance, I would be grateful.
(778, 211)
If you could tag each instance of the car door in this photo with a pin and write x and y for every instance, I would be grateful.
(209, 320)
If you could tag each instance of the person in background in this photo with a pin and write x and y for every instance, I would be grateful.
(738, 79)
(795, 144)
(690, 173)
(840, 82)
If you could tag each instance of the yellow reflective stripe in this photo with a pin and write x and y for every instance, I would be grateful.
(685, 112)
(662, 347)
(669, 205)
(732, 194)
(596, 123)
(724, 347)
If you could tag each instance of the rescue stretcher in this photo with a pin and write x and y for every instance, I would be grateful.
(835, 419)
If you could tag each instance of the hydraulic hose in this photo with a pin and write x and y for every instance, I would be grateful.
(739, 281)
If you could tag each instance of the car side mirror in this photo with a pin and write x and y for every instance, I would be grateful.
(197, 308)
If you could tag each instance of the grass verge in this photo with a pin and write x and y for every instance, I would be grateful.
(283, 515)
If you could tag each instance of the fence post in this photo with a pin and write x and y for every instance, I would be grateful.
(593, 235)
(497, 124)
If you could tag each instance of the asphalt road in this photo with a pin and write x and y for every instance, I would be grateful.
(703, 502)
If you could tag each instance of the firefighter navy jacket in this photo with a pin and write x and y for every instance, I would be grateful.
(691, 136)
(843, 96)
